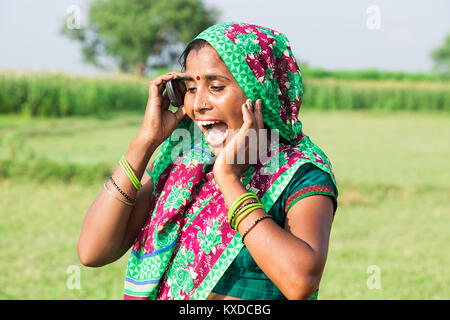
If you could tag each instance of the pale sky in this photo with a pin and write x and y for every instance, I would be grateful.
(395, 35)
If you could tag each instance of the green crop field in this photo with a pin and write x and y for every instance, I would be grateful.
(389, 239)
(57, 94)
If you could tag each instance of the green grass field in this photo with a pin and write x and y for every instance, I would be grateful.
(393, 175)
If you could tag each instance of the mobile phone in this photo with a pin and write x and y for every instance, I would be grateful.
(176, 89)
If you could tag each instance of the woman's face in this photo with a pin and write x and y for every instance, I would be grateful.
(213, 95)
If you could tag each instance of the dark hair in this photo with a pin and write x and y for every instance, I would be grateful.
(196, 44)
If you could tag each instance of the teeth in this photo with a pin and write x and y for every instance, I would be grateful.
(206, 123)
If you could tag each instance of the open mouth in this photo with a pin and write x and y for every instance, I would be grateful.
(215, 131)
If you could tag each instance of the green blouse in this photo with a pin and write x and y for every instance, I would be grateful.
(243, 278)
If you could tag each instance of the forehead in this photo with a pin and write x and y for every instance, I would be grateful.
(205, 60)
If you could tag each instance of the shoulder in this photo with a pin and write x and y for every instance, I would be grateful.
(308, 180)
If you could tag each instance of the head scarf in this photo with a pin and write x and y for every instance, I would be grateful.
(187, 244)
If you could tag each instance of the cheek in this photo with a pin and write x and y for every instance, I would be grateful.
(235, 112)
(189, 105)
(230, 107)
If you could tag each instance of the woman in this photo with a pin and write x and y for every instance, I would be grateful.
(202, 223)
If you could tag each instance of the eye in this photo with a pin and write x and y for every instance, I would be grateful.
(217, 88)
(191, 90)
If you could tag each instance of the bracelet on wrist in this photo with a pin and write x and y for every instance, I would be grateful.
(130, 173)
(121, 192)
(238, 210)
(254, 224)
(245, 213)
(117, 198)
(239, 201)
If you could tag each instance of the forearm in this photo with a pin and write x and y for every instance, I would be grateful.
(287, 260)
(106, 222)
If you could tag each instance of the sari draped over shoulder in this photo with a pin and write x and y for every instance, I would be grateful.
(187, 244)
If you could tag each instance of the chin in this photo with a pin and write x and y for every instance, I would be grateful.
(216, 150)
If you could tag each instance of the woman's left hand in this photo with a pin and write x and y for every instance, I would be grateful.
(238, 155)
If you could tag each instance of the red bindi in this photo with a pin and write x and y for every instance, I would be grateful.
(198, 78)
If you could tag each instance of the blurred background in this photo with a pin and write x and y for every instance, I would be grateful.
(73, 90)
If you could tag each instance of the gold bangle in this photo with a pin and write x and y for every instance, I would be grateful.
(121, 200)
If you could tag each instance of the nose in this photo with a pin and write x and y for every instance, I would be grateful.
(201, 103)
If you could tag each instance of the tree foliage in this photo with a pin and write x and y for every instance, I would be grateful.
(132, 31)
(441, 57)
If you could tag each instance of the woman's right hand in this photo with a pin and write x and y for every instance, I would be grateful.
(159, 122)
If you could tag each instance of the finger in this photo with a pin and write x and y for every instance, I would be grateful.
(161, 80)
(165, 101)
(180, 113)
(250, 105)
(251, 110)
(259, 115)
(152, 89)
(247, 117)
(156, 89)
(245, 112)
(261, 133)
(167, 76)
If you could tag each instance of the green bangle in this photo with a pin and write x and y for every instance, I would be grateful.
(130, 173)
(239, 201)
(126, 167)
(246, 212)
(238, 210)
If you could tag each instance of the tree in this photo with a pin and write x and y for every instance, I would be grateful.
(132, 31)
(441, 57)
